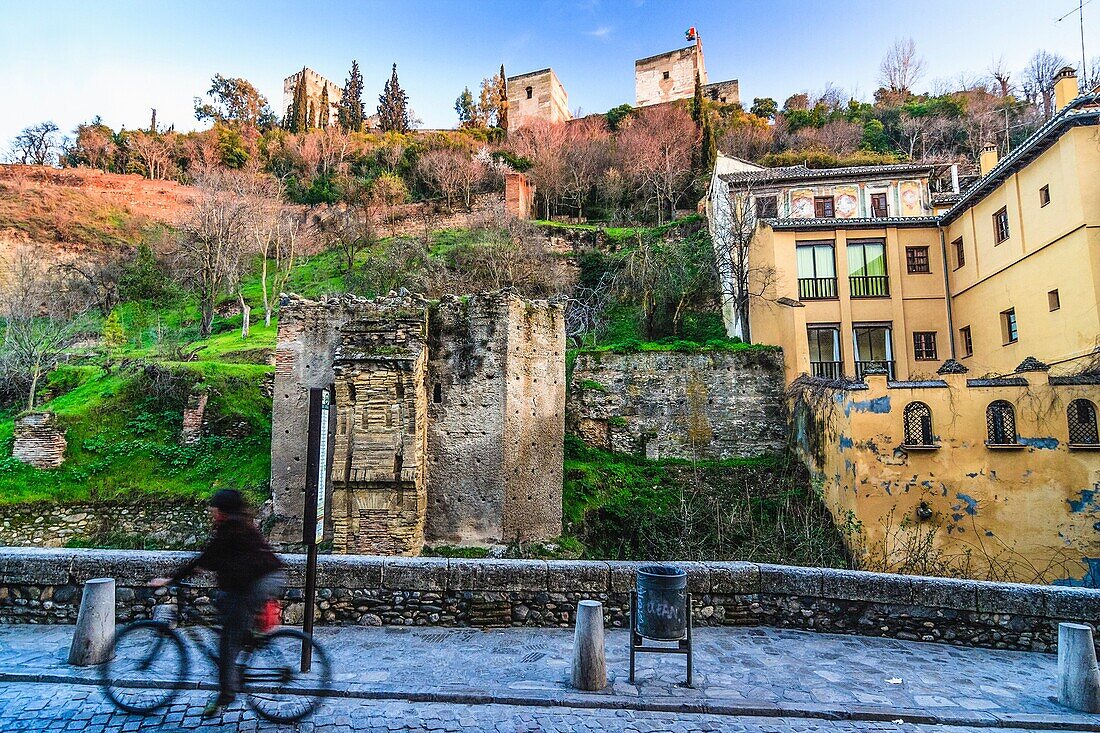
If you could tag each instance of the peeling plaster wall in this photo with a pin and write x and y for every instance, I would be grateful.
(1029, 514)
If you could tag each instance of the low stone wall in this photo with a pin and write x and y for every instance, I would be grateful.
(39, 441)
(43, 586)
(182, 525)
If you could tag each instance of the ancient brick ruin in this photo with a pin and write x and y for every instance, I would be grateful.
(39, 441)
(450, 419)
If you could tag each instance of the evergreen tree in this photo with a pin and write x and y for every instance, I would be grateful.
(393, 106)
(311, 117)
(708, 145)
(697, 103)
(350, 110)
(502, 109)
(296, 114)
(326, 109)
(465, 108)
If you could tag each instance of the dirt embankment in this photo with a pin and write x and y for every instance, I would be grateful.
(73, 213)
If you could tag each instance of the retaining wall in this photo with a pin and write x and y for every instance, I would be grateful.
(179, 524)
(43, 586)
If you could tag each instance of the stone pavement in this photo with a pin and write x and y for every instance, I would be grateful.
(761, 672)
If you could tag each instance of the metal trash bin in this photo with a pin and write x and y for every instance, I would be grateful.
(662, 602)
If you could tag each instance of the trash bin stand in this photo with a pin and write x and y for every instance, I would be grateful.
(637, 641)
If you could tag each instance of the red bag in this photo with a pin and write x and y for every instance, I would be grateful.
(270, 616)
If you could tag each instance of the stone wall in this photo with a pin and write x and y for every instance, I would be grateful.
(519, 195)
(536, 95)
(669, 76)
(713, 404)
(43, 586)
(450, 418)
(723, 92)
(39, 440)
(182, 525)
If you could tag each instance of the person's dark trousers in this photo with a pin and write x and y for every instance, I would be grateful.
(235, 611)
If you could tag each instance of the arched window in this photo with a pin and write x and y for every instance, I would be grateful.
(1082, 423)
(1000, 421)
(530, 92)
(918, 425)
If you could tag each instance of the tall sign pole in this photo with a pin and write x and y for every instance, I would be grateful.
(313, 526)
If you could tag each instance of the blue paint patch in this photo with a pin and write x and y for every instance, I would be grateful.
(1087, 502)
(1040, 443)
(879, 405)
(971, 503)
(1091, 579)
(846, 442)
(956, 517)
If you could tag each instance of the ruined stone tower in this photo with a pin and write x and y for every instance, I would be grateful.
(450, 419)
(536, 95)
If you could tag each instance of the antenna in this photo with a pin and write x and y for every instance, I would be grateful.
(1082, 73)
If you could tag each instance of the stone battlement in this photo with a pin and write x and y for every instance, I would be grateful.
(43, 586)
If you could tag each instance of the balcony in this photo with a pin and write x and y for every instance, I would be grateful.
(827, 369)
(861, 367)
(869, 286)
(817, 288)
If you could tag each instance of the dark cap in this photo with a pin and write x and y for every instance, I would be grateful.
(228, 500)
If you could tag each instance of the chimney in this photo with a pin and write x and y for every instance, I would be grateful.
(1065, 87)
(988, 159)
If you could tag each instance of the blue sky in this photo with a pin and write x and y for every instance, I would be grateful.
(69, 61)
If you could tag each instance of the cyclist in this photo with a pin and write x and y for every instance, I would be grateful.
(249, 573)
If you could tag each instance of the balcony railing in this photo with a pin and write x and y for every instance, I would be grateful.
(816, 288)
(826, 369)
(869, 286)
(861, 367)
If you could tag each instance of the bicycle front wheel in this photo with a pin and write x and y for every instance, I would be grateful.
(147, 663)
(274, 685)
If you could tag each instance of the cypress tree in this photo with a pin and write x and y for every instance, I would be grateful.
(708, 144)
(502, 114)
(296, 115)
(697, 102)
(311, 117)
(326, 109)
(350, 110)
(393, 106)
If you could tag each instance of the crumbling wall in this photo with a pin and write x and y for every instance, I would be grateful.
(714, 404)
(39, 441)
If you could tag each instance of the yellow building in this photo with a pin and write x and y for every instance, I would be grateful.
(942, 346)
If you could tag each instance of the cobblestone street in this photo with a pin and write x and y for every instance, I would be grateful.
(57, 707)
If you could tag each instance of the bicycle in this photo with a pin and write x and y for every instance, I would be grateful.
(149, 664)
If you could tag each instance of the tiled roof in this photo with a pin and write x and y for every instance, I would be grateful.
(801, 172)
(854, 223)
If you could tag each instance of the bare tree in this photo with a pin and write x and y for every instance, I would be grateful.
(36, 145)
(655, 150)
(740, 276)
(1001, 75)
(40, 324)
(901, 67)
(442, 170)
(544, 144)
(1038, 79)
(586, 159)
(277, 235)
(153, 151)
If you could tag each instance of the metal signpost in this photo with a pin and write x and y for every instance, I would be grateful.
(318, 460)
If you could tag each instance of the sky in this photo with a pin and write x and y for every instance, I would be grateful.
(70, 61)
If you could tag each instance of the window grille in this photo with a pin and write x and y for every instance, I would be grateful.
(918, 424)
(1082, 423)
(1000, 422)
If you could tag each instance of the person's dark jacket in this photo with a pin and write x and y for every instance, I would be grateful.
(237, 552)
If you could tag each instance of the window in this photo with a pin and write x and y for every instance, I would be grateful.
(437, 393)
(767, 207)
(823, 207)
(1082, 423)
(918, 425)
(1044, 196)
(530, 92)
(1000, 423)
(1009, 332)
(666, 75)
(967, 342)
(867, 269)
(816, 271)
(878, 205)
(1053, 300)
(916, 260)
(960, 256)
(824, 351)
(873, 346)
(924, 345)
(1000, 225)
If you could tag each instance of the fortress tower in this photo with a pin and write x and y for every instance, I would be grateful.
(536, 95)
(669, 76)
(314, 84)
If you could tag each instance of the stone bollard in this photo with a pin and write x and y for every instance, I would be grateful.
(589, 664)
(1078, 676)
(95, 623)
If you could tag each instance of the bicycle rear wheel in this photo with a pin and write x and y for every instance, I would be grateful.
(273, 682)
(147, 663)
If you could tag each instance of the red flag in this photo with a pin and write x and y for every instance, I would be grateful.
(692, 34)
